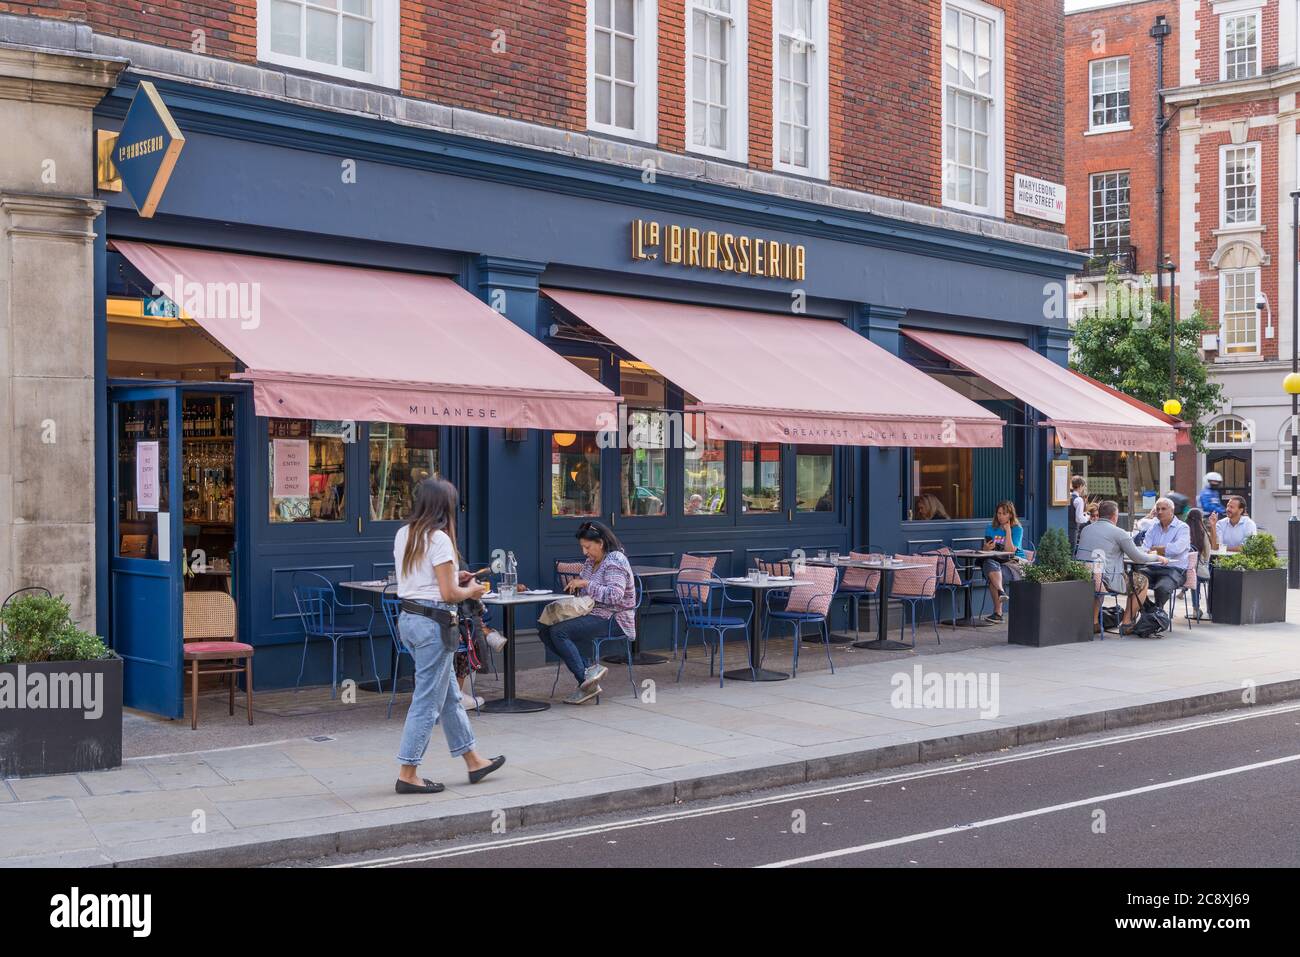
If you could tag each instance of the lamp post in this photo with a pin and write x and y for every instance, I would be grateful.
(1172, 405)
(1292, 386)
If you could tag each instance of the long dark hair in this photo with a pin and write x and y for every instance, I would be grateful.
(599, 532)
(433, 510)
(1010, 506)
(1196, 532)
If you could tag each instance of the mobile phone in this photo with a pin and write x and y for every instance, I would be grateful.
(483, 575)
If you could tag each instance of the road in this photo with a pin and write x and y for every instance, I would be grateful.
(1217, 791)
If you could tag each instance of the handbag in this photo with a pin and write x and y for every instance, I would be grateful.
(562, 609)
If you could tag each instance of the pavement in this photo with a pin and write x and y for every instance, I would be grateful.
(314, 776)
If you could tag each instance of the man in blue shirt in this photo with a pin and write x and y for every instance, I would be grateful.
(1210, 500)
(1172, 539)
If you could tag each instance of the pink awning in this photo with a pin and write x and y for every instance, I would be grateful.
(1084, 416)
(763, 377)
(342, 342)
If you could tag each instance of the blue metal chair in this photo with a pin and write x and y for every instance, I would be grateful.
(319, 608)
(950, 580)
(609, 636)
(704, 606)
(809, 604)
(392, 606)
(670, 599)
(912, 587)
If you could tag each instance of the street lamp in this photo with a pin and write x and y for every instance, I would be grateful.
(1292, 386)
(1172, 405)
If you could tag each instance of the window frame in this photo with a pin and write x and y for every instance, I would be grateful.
(737, 122)
(1223, 352)
(818, 98)
(997, 124)
(1126, 124)
(386, 41)
(1224, 17)
(645, 100)
(1252, 147)
(363, 430)
(1092, 208)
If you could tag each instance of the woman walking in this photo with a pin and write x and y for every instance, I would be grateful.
(430, 583)
(606, 578)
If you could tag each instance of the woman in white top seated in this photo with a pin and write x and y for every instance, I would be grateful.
(430, 583)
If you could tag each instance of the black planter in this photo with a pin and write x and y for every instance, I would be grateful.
(1052, 613)
(1248, 597)
(59, 717)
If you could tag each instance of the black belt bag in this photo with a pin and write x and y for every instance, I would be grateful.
(442, 616)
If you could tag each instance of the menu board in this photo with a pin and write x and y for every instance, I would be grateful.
(146, 476)
(292, 468)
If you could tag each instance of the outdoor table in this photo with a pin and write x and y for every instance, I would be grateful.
(510, 704)
(378, 588)
(759, 593)
(970, 556)
(640, 657)
(886, 569)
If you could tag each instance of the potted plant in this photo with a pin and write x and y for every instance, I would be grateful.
(60, 692)
(1052, 605)
(1249, 587)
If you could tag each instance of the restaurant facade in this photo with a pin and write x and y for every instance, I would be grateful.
(336, 299)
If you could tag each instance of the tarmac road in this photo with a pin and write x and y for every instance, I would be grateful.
(1222, 790)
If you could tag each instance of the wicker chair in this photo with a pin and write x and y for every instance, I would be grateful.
(209, 633)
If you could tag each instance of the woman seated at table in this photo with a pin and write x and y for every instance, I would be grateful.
(607, 578)
(1003, 534)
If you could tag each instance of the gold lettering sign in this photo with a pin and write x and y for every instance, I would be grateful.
(723, 252)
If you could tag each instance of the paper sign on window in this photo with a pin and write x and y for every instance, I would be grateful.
(146, 476)
(292, 468)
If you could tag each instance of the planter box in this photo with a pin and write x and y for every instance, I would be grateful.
(1248, 597)
(59, 717)
(1054, 613)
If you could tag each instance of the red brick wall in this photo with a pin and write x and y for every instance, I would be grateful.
(885, 85)
(1098, 35)
(1209, 71)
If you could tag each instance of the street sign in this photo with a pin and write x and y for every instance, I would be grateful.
(147, 148)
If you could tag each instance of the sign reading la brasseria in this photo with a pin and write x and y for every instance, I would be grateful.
(725, 252)
(147, 148)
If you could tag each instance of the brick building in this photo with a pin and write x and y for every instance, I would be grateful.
(1231, 78)
(546, 159)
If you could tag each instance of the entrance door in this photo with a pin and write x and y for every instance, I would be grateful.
(146, 563)
(1235, 469)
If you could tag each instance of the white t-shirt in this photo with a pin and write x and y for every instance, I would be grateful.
(421, 583)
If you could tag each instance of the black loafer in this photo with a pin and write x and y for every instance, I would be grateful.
(429, 787)
(476, 776)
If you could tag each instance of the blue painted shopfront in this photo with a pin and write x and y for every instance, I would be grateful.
(272, 178)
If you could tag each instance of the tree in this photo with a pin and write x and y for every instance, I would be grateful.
(1128, 349)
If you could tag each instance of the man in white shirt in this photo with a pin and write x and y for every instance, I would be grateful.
(1237, 528)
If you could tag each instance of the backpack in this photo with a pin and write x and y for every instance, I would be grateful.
(1111, 616)
(1151, 621)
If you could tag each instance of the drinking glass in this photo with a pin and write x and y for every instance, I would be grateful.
(509, 584)
(821, 554)
(835, 556)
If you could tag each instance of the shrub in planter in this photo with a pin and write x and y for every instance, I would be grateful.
(1052, 605)
(1249, 588)
(60, 692)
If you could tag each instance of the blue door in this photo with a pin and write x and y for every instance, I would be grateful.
(146, 563)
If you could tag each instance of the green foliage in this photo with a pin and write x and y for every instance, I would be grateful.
(1258, 553)
(1116, 344)
(39, 628)
(1053, 563)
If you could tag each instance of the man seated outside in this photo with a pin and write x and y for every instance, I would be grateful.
(1171, 539)
(1237, 528)
(1105, 541)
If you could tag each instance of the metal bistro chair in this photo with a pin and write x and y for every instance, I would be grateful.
(913, 587)
(950, 579)
(610, 636)
(1190, 583)
(857, 584)
(392, 608)
(806, 604)
(565, 572)
(1101, 592)
(208, 632)
(704, 606)
(701, 565)
(319, 608)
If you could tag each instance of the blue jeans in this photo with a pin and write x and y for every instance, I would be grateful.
(436, 693)
(559, 640)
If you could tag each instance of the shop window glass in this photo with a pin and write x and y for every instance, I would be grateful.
(1107, 475)
(401, 457)
(645, 440)
(760, 476)
(814, 485)
(575, 474)
(704, 469)
(307, 469)
(143, 488)
(942, 481)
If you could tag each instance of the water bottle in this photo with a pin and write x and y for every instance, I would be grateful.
(510, 577)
